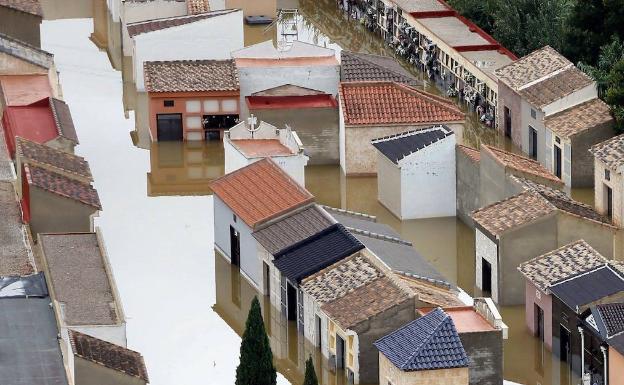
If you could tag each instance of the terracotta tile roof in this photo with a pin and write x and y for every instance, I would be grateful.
(109, 355)
(365, 302)
(278, 235)
(260, 192)
(191, 76)
(579, 118)
(195, 7)
(509, 213)
(431, 294)
(340, 278)
(164, 23)
(532, 67)
(45, 156)
(27, 6)
(357, 67)
(610, 152)
(556, 87)
(63, 186)
(26, 52)
(520, 163)
(470, 152)
(567, 261)
(63, 119)
(563, 202)
(373, 103)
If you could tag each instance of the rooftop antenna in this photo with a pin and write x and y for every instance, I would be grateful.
(251, 124)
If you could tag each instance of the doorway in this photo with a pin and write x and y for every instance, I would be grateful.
(558, 162)
(234, 247)
(340, 352)
(292, 302)
(486, 276)
(539, 322)
(319, 332)
(564, 344)
(609, 199)
(169, 127)
(507, 122)
(532, 143)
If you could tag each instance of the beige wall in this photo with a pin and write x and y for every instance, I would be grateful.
(616, 367)
(389, 184)
(571, 228)
(616, 183)
(90, 373)
(255, 7)
(390, 374)
(51, 213)
(361, 156)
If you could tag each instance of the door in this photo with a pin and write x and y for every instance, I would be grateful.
(532, 143)
(169, 127)
(558, 161)
(486, 276)
(539, 322)
(564, 344)
(319, 331)
(340, 352)
(234, 247)
(292, 302)
(507, 122)
(609, 198)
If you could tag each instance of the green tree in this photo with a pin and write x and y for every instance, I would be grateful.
(615, 94)
(256, 359)
(310, 374)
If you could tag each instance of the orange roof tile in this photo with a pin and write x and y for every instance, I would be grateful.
(521, 163)
(260, 191)
(365, 103)
(470, 152)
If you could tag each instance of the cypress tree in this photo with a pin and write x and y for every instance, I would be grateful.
(256, 359)
(310, 374)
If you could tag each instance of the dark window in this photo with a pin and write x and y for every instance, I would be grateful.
(609, 198)
(292, 302)
(168, 103)
(557, 139)
(532, 143)
(234, 247)
(533, 114)
(539, 322)
(507, 122)
(607, 175)
(169, 127)
(558, 162)
(234, 217)
(486, 276)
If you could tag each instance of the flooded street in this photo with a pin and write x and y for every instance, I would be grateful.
(185, 306)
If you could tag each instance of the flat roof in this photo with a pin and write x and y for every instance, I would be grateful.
(79, 280)
(260, 148)
(466, 319)
(31, 351)
(21, 90)
(453, 31)
(487, 61)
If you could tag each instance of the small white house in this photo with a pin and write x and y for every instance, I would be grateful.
(416, 173)
(210, 35)
(244, 145)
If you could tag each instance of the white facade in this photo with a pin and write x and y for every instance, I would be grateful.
(293, 164)
(137, 11)
(250, 263)
(422, 184)
(486, 249)
(298, 66)
(213, 38)
(312, 310)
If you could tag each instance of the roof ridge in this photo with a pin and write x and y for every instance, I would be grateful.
(359, 55)
(327, 230)
(526, 192)
(372, 234)
(441, 127)
(429, 336)
(187, 16)
(357, 214)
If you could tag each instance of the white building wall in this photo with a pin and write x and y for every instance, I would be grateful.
(216, 5)
(428, 183)
(213, 38)
(342, 139)
(488, 250)
(137, 11)
(294, 165)
(573, 99)
(115, 334)
(389, 184)
(318, 77)
(250, 264)
(234, 159)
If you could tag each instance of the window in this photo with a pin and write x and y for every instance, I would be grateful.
(193, 106)
(609, 199)
(168, 103)
(557, 139)
(533, 114)
(234, 217)
(532, 143)
(607, 175)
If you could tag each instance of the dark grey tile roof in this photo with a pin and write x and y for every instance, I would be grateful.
(26, 52)
(589, 287)
(29, 345)
(398, 146)
(294, 228)
(164, 23)
(317, 252)
(79, 278)
(365, 67)
(612, 316)
(427, 343)
(109, 355)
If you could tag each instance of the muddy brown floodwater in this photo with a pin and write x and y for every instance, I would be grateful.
(186, 307)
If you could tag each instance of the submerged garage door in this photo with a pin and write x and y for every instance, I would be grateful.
(169, 127)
